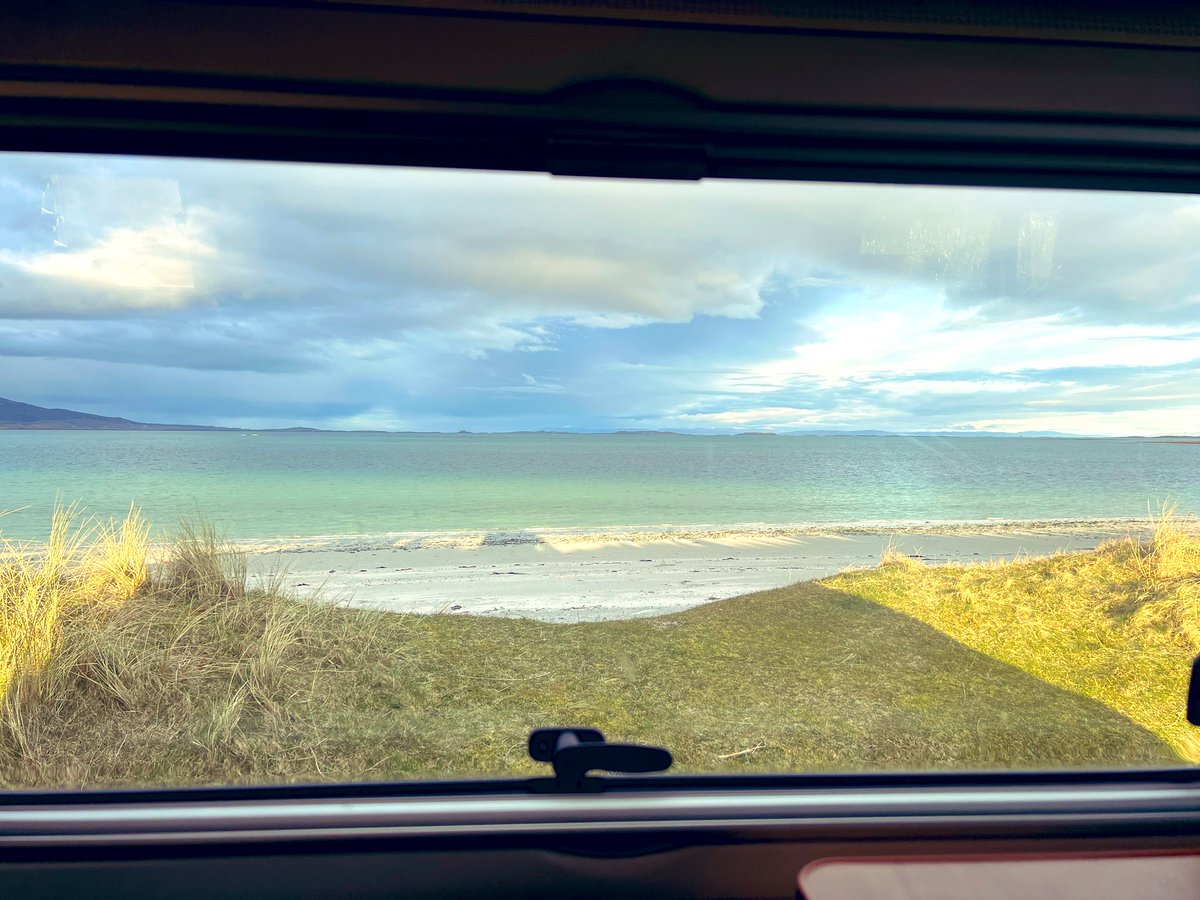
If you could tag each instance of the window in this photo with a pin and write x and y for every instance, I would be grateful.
(331, 473)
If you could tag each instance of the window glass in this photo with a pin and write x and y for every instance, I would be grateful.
(315, 473)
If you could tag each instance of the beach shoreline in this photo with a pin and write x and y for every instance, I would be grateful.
(580, 575)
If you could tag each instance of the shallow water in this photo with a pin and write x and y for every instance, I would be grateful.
(303, 484)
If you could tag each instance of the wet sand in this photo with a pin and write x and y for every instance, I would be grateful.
(593, 576)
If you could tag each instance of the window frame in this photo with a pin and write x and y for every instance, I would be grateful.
(101, 94)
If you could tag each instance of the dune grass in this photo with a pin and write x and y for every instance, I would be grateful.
(121, 673)
(1120, 625)
(80, 570)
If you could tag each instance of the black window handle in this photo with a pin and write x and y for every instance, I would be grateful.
(576, 751)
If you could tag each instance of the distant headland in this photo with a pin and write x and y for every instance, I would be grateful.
(15, 415)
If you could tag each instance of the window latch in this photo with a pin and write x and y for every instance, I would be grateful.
(573, 752)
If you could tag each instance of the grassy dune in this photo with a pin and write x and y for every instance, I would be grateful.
(115, 672)
(1120, 626)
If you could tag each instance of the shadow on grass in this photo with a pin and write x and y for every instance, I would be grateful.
(807, 677)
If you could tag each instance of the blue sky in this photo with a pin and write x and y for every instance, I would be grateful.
(273, 295)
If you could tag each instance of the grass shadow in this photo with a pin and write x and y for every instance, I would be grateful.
(804, 678)
(820, 679)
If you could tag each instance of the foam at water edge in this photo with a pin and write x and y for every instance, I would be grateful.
(645, 534)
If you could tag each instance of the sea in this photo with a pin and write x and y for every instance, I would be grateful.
(272, 485)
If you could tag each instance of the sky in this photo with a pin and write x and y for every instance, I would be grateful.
(272, 295)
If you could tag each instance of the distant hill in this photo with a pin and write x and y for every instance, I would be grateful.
(16, 415)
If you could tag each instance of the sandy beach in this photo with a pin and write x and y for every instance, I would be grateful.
(590, 576)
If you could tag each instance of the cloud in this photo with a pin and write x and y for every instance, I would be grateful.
(326, 295)
(98, 245)
(1157, 421)
(145, 265)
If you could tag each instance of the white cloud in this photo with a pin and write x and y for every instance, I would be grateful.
(104, 244)
(786, 417)
(154, 265)
(1169, 420)
(918, 338)
(917, 387)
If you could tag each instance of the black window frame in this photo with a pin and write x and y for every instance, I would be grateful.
(106, 98)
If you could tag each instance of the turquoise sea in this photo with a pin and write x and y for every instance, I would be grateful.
(279, 485)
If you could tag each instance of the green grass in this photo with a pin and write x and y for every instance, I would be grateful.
(1120, 626)
(196, 679)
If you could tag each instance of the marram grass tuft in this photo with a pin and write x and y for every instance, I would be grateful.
(87, 566)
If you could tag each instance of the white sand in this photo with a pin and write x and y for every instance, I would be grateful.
(576, 577)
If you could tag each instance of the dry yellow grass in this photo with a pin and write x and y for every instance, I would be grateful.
(85, 567)
(1120, 625)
